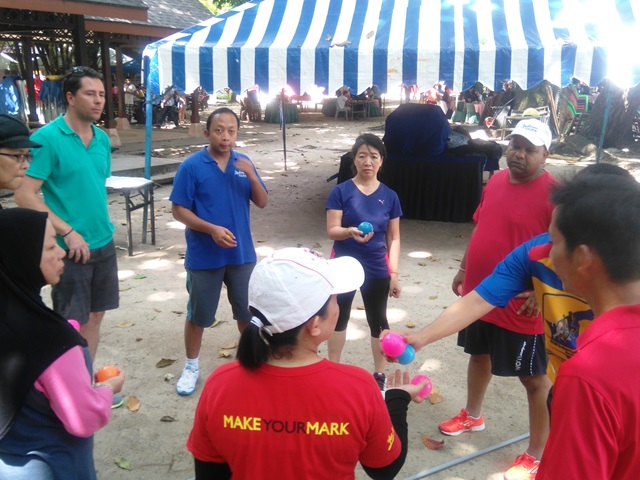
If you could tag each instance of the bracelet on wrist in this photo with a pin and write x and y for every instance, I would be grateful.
(462, 270)
(67, 232)
(101, 384)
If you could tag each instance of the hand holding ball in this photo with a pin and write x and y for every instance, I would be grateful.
(365, 228)
(394, 345)
(105, 373)
(427, 388)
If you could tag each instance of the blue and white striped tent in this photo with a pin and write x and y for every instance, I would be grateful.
(358, 43)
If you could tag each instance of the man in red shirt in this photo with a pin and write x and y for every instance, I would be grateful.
(514, 208)
(596, 396)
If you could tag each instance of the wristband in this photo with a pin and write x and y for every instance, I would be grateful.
(67, 232)
(462, 270)
(101, 384)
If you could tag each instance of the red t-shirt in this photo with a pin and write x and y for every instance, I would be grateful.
(596, 404)
(315, 422)
(508, 215)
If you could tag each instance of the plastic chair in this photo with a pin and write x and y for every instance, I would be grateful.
(346, 109)
(472, 116)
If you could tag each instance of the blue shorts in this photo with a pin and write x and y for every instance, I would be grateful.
(512, 354)
(204, 287)
(89, 287)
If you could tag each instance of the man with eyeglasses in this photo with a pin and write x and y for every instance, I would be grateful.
(71, 169)
(15, 147)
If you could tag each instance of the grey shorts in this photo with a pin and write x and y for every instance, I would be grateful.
(512, 354)
(89, 287)
(204, 287)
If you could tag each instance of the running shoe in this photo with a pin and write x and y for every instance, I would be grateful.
(187, 383)
(381, 379)
(525, 467)
(117, 401)
(463, 422)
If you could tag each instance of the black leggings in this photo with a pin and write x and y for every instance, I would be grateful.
(375, 293)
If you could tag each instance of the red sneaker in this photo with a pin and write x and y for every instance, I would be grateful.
(461, 423)
(525, 467)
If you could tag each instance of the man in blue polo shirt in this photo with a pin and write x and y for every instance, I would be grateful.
(211, 194)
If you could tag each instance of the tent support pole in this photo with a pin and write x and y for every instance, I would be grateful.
(466, 458)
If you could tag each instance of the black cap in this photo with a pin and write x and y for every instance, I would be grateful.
(15, 134)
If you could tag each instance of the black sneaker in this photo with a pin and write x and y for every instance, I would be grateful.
(381, 378)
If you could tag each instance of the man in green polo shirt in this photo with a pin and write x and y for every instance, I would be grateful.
(71, 169)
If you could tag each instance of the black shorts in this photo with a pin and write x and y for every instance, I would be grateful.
(512, 354)
(89, 287)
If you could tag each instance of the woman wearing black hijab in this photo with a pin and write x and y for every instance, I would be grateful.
(49, 409)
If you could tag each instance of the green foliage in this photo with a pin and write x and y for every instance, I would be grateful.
(220, 6)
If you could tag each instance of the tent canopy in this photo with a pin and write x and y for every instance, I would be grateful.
(359, 43)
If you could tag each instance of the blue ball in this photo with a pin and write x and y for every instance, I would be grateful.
(407, 356)
(365, 228)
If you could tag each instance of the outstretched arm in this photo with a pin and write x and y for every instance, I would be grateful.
(460, 314)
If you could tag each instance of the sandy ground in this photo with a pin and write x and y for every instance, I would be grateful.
(149, 323)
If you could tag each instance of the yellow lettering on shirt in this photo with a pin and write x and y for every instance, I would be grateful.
(327, 428)
(242, 423)
(390, 439)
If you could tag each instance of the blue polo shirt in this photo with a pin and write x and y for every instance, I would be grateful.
(221, 198)
(377, 209)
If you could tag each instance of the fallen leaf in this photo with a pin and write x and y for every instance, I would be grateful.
(422, 264)
(168, 377)
(133, 403)
(138, 339)
(118, 247)
(230, 346)
(432, 444)
(434, 396)
(167, 418)
(360, 307)
(410, 325)
(124, 324)
(177, 312)
(223, 354)
(124, 289)
(165, 362)
(123, 463)
(433, 297)
(139, 277)
(157, 310)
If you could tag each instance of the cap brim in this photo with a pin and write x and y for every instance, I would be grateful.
(534, 139)
(26, 143)
(347, 274)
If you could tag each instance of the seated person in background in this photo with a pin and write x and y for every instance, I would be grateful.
(344, 91)
(373, 93)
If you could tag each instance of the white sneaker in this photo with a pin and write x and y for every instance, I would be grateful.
(187, 383)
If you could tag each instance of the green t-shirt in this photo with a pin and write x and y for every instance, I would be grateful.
(74, 179)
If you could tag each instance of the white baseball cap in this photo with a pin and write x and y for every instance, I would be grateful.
(533, 130)
(292, 284)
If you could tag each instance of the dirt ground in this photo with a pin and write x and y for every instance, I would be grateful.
(147, 327)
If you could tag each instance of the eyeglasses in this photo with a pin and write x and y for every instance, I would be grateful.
(18, 157)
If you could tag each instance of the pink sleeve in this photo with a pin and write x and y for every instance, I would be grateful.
(82, 409)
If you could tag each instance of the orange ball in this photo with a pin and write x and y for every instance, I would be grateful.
(105, 373)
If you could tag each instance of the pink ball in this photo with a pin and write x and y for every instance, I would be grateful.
(427, 388)
(393, 345)
(74, 323)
